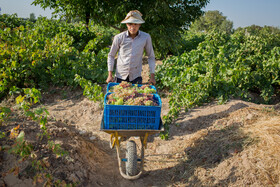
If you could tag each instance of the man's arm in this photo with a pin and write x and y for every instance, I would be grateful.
(151, 60)
(110, 77)
(152, 79)
(111, 59)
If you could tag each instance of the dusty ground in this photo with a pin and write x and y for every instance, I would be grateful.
(211, 145)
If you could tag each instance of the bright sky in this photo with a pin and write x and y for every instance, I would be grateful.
(241, 12)
(244, 13)
(23, 8)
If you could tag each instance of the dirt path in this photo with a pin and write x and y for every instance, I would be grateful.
(207, 145)
(164, 159)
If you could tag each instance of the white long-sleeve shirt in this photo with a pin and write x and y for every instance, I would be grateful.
(130, 54)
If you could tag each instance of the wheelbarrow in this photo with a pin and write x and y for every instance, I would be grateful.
(132, 170)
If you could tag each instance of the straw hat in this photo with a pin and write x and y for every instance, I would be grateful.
(133, 16)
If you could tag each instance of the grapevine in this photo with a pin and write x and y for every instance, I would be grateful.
(49, 52)
(221, 67)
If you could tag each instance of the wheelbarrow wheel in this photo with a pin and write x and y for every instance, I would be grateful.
(131, 156)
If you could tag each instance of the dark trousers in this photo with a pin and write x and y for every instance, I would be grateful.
(138, 80)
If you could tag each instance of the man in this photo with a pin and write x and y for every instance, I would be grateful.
(130, 46)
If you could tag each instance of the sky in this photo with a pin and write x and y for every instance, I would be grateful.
(244, 13)
(23, 8)
(241, 12)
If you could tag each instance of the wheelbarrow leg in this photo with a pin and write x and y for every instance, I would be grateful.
(114, 139)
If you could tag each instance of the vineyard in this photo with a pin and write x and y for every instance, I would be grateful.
(50, 65)
(223, 66)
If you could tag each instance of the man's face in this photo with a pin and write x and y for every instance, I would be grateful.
(133, 28)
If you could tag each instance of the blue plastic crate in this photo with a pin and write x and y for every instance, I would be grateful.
(132, 117)
(111, 84)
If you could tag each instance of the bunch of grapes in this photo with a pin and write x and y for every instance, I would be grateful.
(120, 87)
(127, 94)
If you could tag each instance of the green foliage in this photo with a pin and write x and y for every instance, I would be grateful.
(213, 20)
(50, 52)
(102, 40)
(220, 67)
(190, 41)
(91, 90)
(56, 148)
(258, 30)
(32, 17)
(36, 55)
(2, 135)
(11, 21)
(80, 35)
(32, 96)
(40, 115)
(163, 19)
(21, 147)
(4, 114)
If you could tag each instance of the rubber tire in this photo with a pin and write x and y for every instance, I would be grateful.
(131, 156)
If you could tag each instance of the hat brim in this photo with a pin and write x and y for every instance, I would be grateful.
(133, 20)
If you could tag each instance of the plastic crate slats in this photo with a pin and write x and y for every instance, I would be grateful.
(151, 113)
(131, 117)
(142, 113)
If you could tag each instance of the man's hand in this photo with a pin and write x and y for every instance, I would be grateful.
(152, 79)
(110, 77)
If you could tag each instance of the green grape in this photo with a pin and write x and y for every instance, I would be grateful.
(126, 94)
(148, 103)
(119, 101)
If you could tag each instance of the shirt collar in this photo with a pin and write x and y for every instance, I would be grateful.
(127, 34)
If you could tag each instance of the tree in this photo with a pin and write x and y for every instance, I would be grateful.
(213, 20)
(164, 19)
(259, 31)
(32, 17)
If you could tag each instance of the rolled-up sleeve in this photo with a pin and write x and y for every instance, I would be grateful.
(112, 53)
(151, 55)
